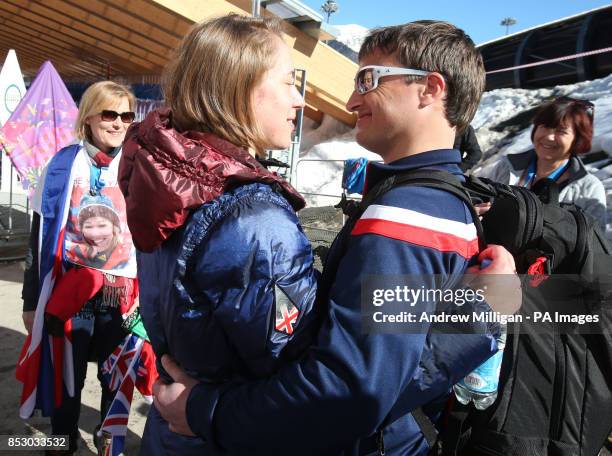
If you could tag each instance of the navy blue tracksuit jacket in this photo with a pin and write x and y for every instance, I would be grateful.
(350, 385)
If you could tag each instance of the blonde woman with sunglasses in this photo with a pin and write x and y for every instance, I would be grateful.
(78, 299)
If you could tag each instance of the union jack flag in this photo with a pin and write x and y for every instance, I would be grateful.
(131, 364)
(116, 366)
(120, 371)
(286, 314)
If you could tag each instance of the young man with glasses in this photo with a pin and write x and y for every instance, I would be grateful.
(352, 392)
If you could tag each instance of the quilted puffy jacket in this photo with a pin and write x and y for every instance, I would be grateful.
(226, 272)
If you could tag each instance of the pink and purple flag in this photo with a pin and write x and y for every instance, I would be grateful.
(40, 125)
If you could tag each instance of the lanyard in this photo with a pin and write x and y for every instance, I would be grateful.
(531, 172)
(96, 184)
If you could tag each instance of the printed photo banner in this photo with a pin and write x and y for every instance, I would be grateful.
(97, 233)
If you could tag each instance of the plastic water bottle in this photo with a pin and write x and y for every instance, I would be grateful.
(480, 386)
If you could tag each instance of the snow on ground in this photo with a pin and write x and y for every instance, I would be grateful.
(325, 146)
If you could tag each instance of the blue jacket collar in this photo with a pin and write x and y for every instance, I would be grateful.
(446, 159)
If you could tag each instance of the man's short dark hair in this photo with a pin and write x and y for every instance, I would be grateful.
(440, 47)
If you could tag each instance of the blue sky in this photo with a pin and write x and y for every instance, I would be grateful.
(480, 19)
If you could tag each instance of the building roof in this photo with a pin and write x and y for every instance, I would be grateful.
(131, 41)
(546, 24)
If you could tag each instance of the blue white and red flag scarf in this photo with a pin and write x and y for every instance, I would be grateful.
(45, 360)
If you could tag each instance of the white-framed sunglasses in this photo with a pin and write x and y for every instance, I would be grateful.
(367, 77)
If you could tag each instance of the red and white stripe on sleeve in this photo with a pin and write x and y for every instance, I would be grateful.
(417, 228)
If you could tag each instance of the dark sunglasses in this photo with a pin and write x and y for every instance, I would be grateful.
(588, 107)
(109, 116)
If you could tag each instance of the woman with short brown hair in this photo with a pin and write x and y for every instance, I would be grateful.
(562, 130)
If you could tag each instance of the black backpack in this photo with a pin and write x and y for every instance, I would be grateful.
(555, 391)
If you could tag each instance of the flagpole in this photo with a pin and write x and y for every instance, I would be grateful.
(10, 214)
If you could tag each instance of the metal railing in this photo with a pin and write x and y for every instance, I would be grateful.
(338, 195)
(15, 222)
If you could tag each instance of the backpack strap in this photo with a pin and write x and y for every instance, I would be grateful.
(581, 249)
(427, 428)
(547, 190)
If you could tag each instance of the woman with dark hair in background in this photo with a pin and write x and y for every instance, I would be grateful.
(562, 130)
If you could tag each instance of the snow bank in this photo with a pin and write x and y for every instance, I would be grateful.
(351, 35)
(325, 146)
